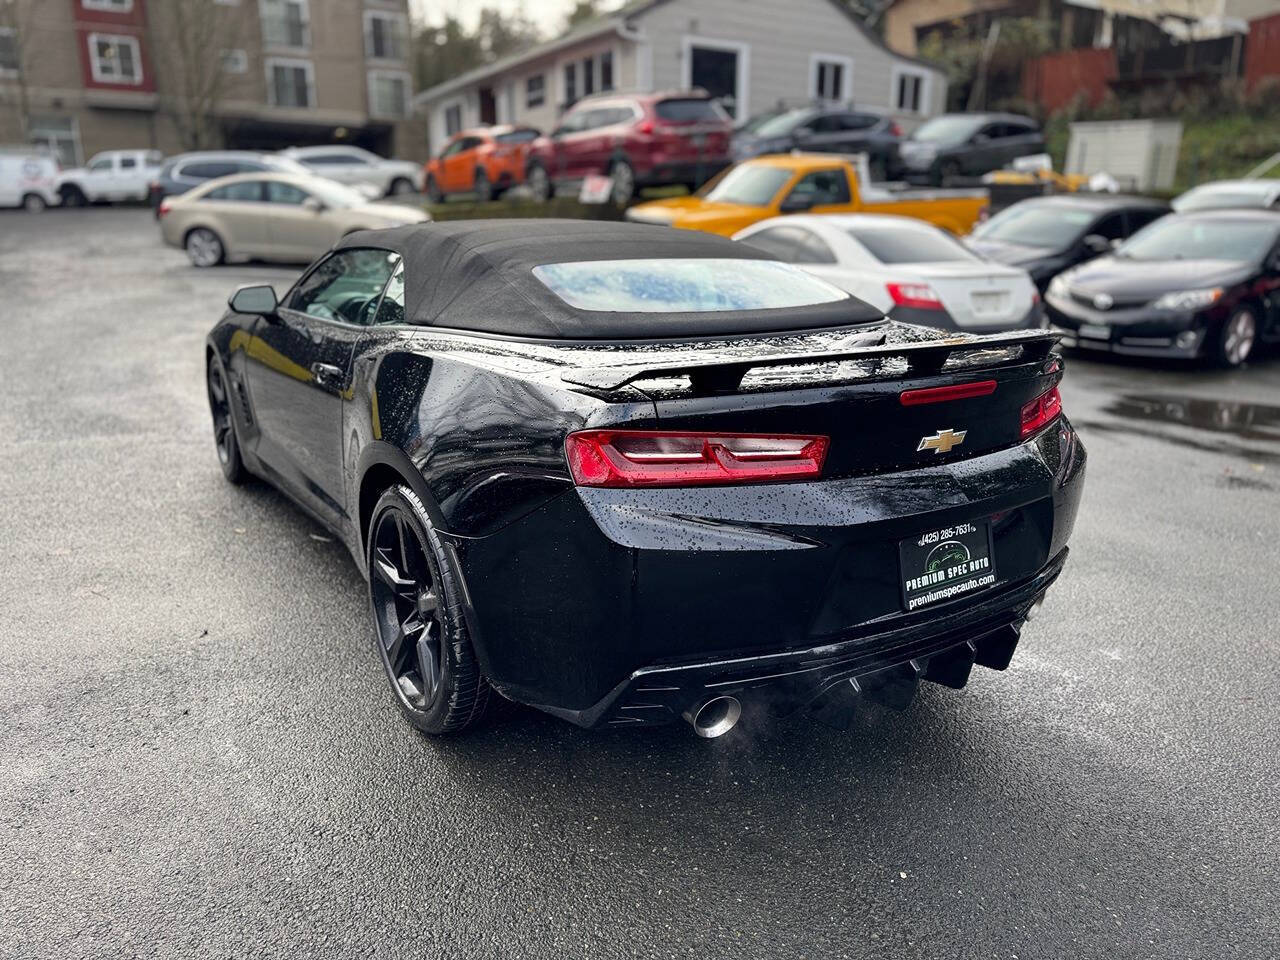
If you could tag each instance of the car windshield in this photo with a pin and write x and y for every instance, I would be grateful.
(909, 245)
(684, 286)
(1209, 198)
(692, 110)
(752, 184)
(949, 129)
(783, 123)
(1176, 238)
(1049, 225)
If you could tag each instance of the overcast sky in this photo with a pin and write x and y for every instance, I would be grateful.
(547, 14)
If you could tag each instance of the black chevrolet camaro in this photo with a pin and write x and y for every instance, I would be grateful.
(626, 474)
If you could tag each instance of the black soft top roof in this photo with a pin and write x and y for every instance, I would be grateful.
(478, 275)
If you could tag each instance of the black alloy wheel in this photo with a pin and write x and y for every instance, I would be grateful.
(421, 635)
(224, 428)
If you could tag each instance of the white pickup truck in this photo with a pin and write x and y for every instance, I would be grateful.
(113, 175)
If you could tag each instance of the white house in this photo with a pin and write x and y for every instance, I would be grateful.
(751, 53)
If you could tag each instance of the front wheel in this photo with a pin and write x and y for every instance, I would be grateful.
(421, 636)
(225, 440)
(624, 182)
(401, 187)
(73, 196)
(1237, 338)
(34, 203)
(539, 183)
(204, 247)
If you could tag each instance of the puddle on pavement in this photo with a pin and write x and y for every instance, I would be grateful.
(1256, 423)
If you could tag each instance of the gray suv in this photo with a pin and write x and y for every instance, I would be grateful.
(967, 145)
(822, 130)
(179, 174)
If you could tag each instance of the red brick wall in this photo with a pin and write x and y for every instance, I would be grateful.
(131, 23)
(1262, 50)
(1055, 79)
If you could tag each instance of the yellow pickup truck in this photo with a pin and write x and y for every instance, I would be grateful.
(767, 186)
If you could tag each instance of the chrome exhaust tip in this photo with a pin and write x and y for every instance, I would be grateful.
(715, 717)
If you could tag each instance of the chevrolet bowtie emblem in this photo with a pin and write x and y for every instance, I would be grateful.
(942, 441)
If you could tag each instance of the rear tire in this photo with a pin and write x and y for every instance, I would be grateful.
(539, 183)
(204, 247)
(947, 170)
(73, 196)
(419, 629)
(401, 187)
(34, 203)
(1237, 338)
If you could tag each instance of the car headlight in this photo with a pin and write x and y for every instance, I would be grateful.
(1188, 299)
(1058, 286)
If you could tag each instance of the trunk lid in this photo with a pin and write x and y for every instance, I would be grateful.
(977, 296)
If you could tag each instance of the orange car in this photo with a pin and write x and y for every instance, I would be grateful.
(485, 161)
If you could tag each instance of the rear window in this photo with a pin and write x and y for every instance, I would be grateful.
(207, 170)
(517, 136)
(684, 286)
(895, 245)
(698, 110)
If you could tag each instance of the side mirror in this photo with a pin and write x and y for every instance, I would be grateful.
(796, 203)
(1096, 243)
(314, 205)
(254, 299)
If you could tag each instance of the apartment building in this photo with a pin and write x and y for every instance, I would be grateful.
(86, 75)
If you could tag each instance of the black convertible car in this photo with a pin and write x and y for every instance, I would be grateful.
(624, 473)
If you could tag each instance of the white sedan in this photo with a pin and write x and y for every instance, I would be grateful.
(910, 269)
(360, 168)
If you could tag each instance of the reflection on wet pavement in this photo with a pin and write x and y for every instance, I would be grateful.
(1253, 422)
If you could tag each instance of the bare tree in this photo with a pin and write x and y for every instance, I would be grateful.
(22, 42)
(189, 43)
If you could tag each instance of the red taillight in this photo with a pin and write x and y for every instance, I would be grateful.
(163, 208)
(1040, 412)
(894, 129)
(956, 391)
(1035, 297)
(918, 295)
(649, 458)
(645, 126)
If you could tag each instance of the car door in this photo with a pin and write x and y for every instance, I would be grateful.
(299, 225)
(985, 150)
(299, 377)
(822, 191)
(238, 211)
(455, 167)
(1019, 140)
(99, 177)
(576, 143)
(826, 135)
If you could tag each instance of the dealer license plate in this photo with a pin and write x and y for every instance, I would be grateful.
(1095, 331)
(946, 564)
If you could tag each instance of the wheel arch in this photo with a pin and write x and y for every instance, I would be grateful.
(380, 466)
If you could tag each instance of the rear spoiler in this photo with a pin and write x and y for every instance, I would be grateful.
(725, 375)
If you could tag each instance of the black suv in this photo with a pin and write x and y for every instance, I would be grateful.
(822, 130)
(967, 145)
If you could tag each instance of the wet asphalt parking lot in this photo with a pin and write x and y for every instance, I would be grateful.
(199, 756)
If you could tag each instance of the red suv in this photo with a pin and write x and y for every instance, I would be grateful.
(641, 140)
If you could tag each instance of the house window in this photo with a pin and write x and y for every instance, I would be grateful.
(286, 23)
(588, 77)
(570, 84)
(291, 83)
(115, 59)
(535, 90)
(452, 119)
(909, 88)
(384, 36)
(235, 61)
(606, 70)
(388, 94)
(59, 134)
(112, 6)
(9, 60)
(830, 76)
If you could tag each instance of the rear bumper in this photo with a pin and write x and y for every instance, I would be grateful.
(1033, 319)
(576, 607)
(887, 665)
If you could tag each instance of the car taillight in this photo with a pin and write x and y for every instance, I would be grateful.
(650, 458)
(955, 391)
(1040, 412)
(918, 295)
(894, 129)
(164, 208)
(645, 126)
